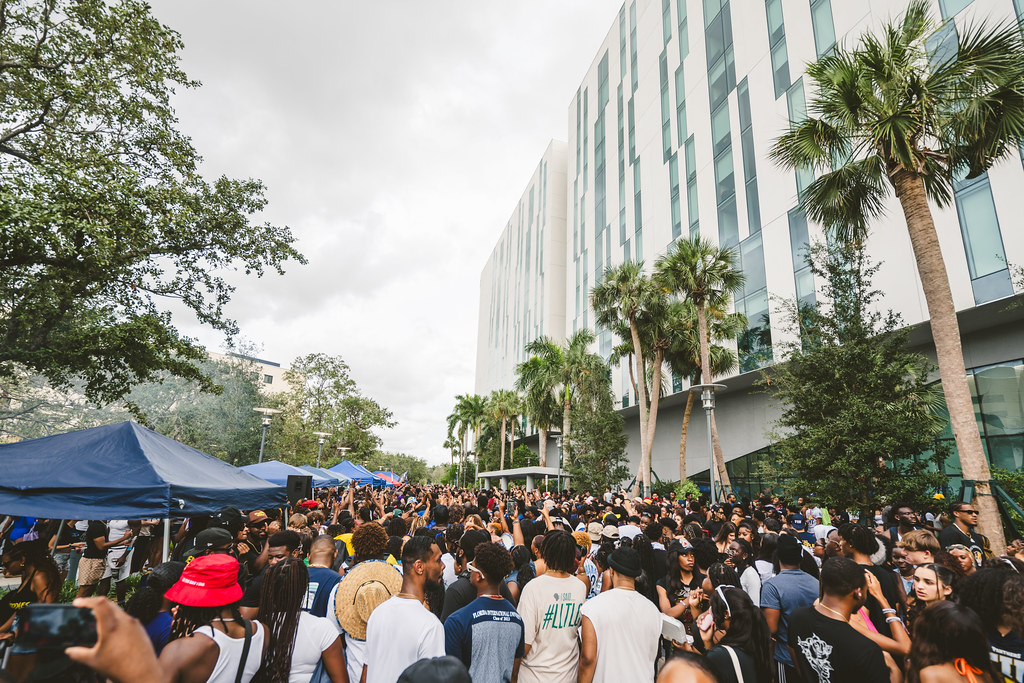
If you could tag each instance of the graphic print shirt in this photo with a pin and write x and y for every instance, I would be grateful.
(831, 651)
(487, 635)
(550, 608)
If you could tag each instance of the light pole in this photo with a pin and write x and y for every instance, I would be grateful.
(707, 398)
(321, 437)
(342, 450)
(558, 441)
(268, 414)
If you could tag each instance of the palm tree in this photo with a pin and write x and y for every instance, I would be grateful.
(704, 273)
(570, 368)
(627, 297)
(538, 379)
(504, 406)
(896, 117)
(683, 356)
(467, 417)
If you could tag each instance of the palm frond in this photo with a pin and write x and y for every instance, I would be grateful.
(847, 199)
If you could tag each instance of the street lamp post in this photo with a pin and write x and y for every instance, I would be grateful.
(342, 450)
(559, 442)
(321, 438)
(707, 398)
(268, 414)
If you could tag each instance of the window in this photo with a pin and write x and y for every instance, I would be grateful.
(824, 30)
(950, 8)
(799, 239)
(728, 223)
(725, 186)
(632, 46)
(776, 27)
(602, 82)
(780, 68)
(684, 40)
(666, 20)
(983, 241)
(720, 139)
(622, 43)
(680, 107)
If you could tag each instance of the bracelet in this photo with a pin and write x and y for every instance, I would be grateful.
(890, 620)
(888, 610)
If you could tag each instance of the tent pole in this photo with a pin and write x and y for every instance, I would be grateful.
(167, 539)
(56, 538)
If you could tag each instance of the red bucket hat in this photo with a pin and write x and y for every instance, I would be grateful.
(208, 581)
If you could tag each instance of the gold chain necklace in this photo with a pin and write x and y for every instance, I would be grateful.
(838, 614)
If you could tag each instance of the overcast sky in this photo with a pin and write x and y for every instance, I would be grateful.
(395, 138)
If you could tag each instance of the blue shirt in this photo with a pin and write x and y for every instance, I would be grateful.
(787, 591)
(321, 582)
(159, 630)
(487, 635)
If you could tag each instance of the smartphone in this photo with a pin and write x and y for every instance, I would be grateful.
(54, 627)
(510, 507)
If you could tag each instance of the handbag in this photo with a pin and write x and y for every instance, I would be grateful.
(735, 663)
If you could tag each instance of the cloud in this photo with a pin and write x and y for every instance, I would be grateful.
(395, 139)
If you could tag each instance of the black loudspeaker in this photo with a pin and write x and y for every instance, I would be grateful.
(299, 487)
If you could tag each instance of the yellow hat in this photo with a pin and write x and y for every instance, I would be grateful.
(938, 496)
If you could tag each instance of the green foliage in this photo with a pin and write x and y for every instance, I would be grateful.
(856, 428)
(323, 397)
(599, 458)
(663, 488)
(1011, 482)
(104, 214)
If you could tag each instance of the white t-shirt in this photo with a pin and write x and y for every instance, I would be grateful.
(400, 632)
(765, 569)
(448, 575)
(750, 582)
(628, 628)
(550, 608)
(355, 649)
(312, 636)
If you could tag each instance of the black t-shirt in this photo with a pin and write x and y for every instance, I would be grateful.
(721, 662)
(251, 596)
(832, 651)
(682, 593)
(888, 584)
(96, 530)
(461, 593)
(952, 535)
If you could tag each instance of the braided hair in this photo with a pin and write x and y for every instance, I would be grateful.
(187, 619)
(281, 595)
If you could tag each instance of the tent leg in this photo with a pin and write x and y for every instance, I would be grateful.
(167, 539)
(56, 538)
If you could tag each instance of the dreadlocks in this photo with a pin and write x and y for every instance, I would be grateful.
(187, 619)
(281, 595)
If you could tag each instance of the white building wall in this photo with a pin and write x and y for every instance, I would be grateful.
(522, 283)
(743, 414)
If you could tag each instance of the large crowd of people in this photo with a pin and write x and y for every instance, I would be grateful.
(432, 583)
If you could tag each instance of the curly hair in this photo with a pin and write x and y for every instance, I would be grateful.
(146, 602)
(996, 594)
(281, 594)
(946, 631)
(493, 560)
(559, 551)
(369, 540)
(583, 540)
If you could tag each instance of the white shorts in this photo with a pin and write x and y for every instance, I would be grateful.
(118, 573)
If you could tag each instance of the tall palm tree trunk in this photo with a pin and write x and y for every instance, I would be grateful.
(566, 423)
(502, 443)
(641, 383)
(705, 369)
(948, 350)
(542, 447)
(652, 416)
(682, 435)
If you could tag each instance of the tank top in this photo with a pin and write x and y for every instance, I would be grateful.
(226, 668)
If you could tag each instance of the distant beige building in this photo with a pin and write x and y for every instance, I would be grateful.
(269, 374)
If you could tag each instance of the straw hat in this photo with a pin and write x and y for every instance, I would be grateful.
(367, 585)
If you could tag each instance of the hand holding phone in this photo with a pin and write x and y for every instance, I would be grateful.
(49, 627)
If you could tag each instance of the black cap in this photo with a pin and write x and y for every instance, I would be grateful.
(437, 670)
(625, 561)
(789, 549)
(207, 539)
(229, 518)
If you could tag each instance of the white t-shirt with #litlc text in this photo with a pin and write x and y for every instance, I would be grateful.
(550, 608)
(400, 632)
(312, 636)
(628, 628)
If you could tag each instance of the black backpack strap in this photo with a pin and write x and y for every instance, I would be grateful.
(245, 650)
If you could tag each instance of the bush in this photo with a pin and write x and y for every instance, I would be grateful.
(680, 488)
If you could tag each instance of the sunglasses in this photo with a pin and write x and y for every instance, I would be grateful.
(721, 593)
(957, 547)
(968, 512)
(471, 567)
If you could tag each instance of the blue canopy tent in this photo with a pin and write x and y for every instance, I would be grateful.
(360, 475)
(333, 478)
(123, 471)
(277, 472)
